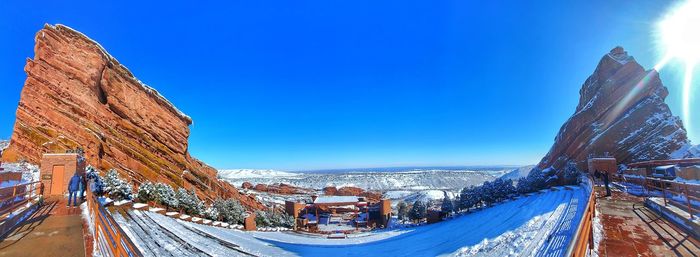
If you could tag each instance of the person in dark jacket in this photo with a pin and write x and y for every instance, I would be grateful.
(606, 181)
(81, 189)
(73, 187)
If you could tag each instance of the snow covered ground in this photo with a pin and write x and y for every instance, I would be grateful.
(518, 173)
(536, 225)
(250, 173)
(29, 172)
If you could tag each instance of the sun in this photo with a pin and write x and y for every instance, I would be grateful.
(679, 37)
(679, 32)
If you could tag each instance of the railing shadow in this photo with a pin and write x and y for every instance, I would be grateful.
(649, 218)
(28, 225)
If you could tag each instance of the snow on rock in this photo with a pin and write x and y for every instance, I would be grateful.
(108, 104)
(152, 209)
(139, 205)
(121, 202)
(621, 111)
(427, 196)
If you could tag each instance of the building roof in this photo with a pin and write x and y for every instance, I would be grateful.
(336, 199)
(654, 163)
(665, 167)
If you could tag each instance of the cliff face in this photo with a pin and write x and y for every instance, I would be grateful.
(621, 112)
(77, 95)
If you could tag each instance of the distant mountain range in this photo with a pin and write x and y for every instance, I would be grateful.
(371, 179)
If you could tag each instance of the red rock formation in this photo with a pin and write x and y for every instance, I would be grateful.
(330, 190)
(280, 188)
(621, 112)
(260, 187)
(352, 191)
(247, 185)
(77, 95)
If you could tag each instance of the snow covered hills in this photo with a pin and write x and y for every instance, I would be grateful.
(411, 179)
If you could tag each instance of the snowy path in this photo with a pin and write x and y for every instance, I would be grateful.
(540, 224)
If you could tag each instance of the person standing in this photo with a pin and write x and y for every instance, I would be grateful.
(596, 177)
(606, 181)
(81, 189)
(73, 187)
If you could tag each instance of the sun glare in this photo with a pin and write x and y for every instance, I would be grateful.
(680, 32)
(679, 37)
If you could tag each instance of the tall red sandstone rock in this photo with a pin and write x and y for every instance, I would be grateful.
(77, 95)
(621, 112)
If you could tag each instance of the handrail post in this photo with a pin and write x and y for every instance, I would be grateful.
(687, 200)
(663, 192)
(645, 186)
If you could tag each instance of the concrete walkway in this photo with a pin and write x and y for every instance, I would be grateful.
(631, 229)
(53, 230)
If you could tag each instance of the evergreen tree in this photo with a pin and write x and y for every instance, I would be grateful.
(165, 195)
(447, 205)
(229, 210)
(571, 174)
(115, 187)
(147, 192)
(262, 219)
(189, 202)
(211, 213)
(279, 219)
(534, 181)
(489, 193)
(418, 211)
(469, 197)
(402, 210)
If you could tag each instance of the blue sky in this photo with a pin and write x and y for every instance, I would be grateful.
(347, 84)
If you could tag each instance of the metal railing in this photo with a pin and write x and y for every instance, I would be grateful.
(685, 192)
(110, 239)
(15, 196)
(582, 242)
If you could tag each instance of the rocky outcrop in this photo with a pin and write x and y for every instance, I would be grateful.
(352, 191)
(247, 185)
(621, 112)
(280, 188)
(78, 96)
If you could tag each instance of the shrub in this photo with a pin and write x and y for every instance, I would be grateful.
(402, 210)
(229, 210)
(115, 187)
(147, 192)
(447, 204)
(165, 195)
(418, 211)
(189, 202)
